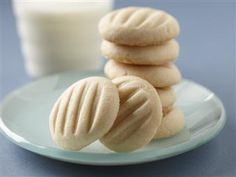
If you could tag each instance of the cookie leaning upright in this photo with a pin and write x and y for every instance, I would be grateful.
(84, 113)
(139, 116)
(137, 26)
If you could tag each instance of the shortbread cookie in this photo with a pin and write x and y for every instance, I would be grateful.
(84, 113)
(159, 76)
(167, 96)
(136, 26)
(148, 55)
(167, 109)
(138, 118)
(172, 123)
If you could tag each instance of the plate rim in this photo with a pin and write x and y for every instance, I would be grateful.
(87, 158)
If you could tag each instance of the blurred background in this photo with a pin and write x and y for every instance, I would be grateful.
(207, 42)
(207, 45)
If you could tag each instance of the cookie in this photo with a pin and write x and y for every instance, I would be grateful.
(139, 115)
(84, 113)
(172, 123)
(167, 109)
(148, 55)
(136, 26)
(167, 96)
(159, 76)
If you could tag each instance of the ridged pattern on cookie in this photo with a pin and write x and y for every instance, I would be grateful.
(148, 55)
(140, 112)
(84, 112)
(137, 26)
(172, 123)
(159, 76)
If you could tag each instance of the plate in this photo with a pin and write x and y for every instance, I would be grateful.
(25, 112)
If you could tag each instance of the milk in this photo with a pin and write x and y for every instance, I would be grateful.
(60, 35)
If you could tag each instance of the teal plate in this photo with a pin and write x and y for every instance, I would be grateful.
(24, 121)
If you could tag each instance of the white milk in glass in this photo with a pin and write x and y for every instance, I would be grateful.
(60, 35)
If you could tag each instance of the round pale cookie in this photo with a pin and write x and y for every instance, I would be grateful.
(136, 26)
(167, 96)
(148, 55)
(172, 123)
(84, 113)
(138, 118)
(159, 76)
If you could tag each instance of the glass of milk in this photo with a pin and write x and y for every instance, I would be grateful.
(60, 35)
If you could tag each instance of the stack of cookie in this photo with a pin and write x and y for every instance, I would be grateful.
(140, 42)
